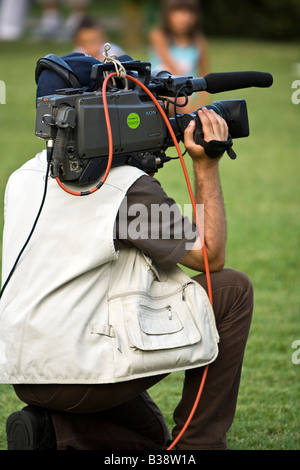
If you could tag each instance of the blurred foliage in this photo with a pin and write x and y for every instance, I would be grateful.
(259, 19)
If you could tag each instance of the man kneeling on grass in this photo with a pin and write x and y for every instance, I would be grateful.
(83, 337)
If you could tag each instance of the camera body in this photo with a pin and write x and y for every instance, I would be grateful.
(139, 133)
(74, 119)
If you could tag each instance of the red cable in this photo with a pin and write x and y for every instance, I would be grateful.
(198, 396)
(110, 146)
(110, 156)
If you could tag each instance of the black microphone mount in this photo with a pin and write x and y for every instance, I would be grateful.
(211, 83)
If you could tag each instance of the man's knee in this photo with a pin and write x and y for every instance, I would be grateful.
(232, 292)
(226, 277)
(238, 279)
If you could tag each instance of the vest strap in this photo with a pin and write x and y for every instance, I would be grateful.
(106, 330)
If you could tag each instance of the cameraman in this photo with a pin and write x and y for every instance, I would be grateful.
(50, 292)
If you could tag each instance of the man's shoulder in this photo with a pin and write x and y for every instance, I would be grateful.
(37, 163)
(124, 176)
(149, 189)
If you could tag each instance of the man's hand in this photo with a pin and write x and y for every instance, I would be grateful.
(214, 128)
(208, 192)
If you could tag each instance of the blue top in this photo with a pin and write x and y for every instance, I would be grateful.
(187, 58)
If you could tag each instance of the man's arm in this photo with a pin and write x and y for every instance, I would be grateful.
(208, 192)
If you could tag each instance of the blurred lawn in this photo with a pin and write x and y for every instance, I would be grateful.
(262, 195)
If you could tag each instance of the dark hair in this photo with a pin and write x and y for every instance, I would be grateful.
(87, 23)
(191, 5)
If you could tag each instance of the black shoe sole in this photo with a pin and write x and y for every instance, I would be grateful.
(19, 431)
(22, 434)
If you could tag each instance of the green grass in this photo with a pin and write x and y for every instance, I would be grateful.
(262, 195)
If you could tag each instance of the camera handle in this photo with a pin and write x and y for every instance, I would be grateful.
(59, 150)
(142, 68)
(64, 121)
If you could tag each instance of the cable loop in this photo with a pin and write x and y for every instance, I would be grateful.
(120, 69)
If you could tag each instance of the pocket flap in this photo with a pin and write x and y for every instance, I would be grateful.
(159, 322)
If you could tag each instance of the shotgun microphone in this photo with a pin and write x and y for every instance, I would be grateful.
(219, 82)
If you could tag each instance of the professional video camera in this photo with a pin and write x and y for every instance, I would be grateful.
(74, 119)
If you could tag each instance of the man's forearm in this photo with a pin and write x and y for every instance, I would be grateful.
(208, 192)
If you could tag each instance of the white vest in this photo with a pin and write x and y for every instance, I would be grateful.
(75, 310)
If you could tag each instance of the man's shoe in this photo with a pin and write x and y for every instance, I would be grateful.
(30, 429)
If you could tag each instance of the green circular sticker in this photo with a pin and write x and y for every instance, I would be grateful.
(133, 120)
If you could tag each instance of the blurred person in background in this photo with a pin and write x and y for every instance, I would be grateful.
(12, 19)
(89, 38)
(179, 46)
(51, 25)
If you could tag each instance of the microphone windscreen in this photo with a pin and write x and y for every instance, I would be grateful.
(218, 82)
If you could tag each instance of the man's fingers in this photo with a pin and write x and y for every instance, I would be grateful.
(206, 122)
(214, 128)
(213, 125)
(189, 134)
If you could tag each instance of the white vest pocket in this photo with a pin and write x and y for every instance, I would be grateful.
(169, 326)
